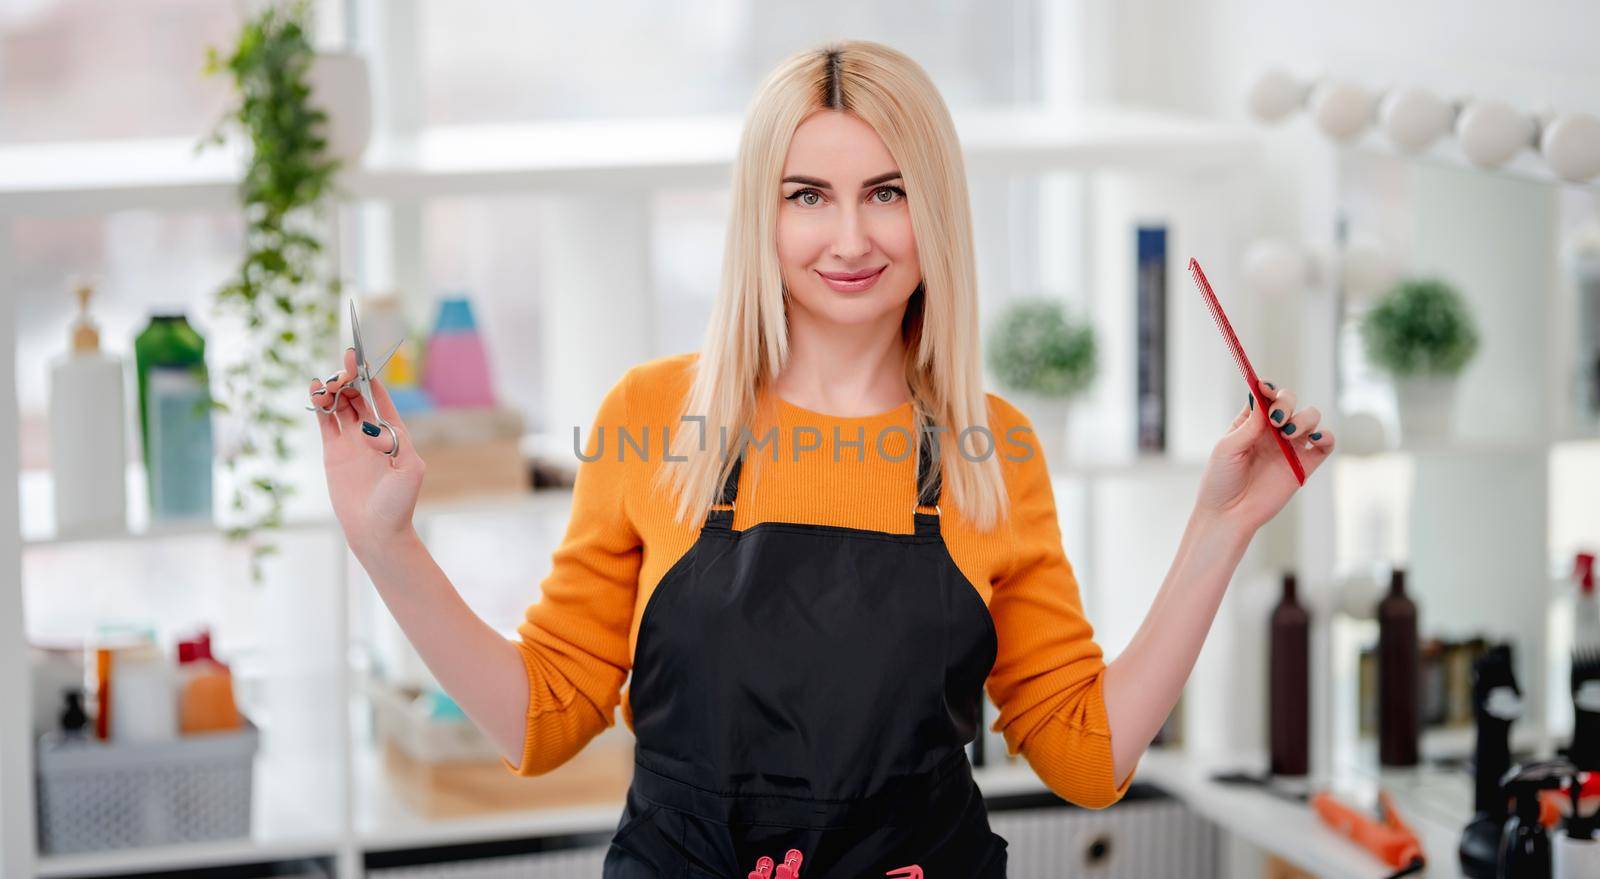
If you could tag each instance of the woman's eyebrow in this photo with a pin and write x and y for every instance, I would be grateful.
(823, 184)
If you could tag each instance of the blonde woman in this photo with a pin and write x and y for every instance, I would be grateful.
(809, 636)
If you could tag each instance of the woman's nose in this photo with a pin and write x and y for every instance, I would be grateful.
(850, 239)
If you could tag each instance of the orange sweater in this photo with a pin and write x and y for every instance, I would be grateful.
(577, 640)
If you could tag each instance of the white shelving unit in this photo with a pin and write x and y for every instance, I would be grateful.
(1116, 146)
(628, 154)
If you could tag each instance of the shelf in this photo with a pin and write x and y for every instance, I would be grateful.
(38, 530)
(585, 797)
(1293, 832)
(36, 503)
(178, 857)
(65, 178)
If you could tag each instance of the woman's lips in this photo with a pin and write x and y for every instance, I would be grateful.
(851, 282)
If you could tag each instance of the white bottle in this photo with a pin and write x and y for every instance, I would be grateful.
(88, 446)
(144, 696)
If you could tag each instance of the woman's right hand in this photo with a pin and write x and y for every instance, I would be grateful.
(373, 494)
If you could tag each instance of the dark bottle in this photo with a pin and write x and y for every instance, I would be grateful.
(1289, 713)
(73, 718)
(1398, 661)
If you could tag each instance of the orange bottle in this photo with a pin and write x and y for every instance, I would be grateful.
(205, 697)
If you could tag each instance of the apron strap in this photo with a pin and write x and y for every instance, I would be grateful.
(929, 496)
(930, 480)
(722, 519)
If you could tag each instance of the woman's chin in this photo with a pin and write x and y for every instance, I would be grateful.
(846, 309)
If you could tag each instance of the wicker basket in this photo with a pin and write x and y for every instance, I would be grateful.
(95, 796)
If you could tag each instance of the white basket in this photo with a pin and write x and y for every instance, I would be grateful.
(95, 795)
(421, 738)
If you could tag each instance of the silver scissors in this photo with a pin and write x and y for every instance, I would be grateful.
(363, 384)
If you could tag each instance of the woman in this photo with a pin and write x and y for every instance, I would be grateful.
(809, 636)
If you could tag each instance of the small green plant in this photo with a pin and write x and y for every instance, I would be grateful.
(284, 293)
(1035, 347)
(1421, 327)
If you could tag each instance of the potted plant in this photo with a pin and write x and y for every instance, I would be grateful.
(1042, 357)
(1422, 334)
(285, 293)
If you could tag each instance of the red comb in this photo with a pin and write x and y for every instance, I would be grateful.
(1244, 367)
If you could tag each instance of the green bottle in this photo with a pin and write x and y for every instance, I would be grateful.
(174, 418)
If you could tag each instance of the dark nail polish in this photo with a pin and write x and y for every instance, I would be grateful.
(369, 428)
(1277, 415)
(319, 392)
(1252, 401)
(1270, 385)
(1316, 436)
(1288, 429)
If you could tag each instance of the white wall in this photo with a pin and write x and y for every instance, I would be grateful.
(1202, 56)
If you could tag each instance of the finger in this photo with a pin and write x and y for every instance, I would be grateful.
(407, 456)
(377, 437)
(345, 374)
(1244, 432)
(1319, 441)
(1244, 412)
(1282, 404)
(1314, 451)
(385, 403)
(1301, 423)
(325, 425)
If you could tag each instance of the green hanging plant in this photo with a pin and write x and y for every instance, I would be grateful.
(1420, 327)
(284, 293)
(1036, 348)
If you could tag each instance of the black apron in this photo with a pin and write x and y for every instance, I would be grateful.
(809, 687)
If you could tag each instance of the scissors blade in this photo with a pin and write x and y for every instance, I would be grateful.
(396, 347)
(355, 334)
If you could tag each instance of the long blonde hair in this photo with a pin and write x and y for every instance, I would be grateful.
(747, 344)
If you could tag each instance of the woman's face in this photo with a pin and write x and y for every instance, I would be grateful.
(844, 214)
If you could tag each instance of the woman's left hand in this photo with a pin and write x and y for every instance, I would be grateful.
(1247, 481)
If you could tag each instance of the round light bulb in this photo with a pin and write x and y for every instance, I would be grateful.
(1571, 146)
(1362, 433)
(1342, 110)
(1275, 268)
(1413, 118)
(1275, 95)
(1491, 132)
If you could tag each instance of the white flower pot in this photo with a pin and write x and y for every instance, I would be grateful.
(1427, 406)
(341, 87)
(1049, 418)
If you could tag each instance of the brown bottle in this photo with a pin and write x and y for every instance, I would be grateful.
(1398, 661)
(1289, 712)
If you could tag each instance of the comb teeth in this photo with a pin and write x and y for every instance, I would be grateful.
(1220, 319)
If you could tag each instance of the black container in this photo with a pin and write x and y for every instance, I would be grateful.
(1289, 712)
(1491, 761)
(1525, 846)
(1398, 660)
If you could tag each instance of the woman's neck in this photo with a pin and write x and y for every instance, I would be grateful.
(843, 370)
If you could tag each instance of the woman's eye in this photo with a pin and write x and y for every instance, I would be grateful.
(895, 193)
(800, 195)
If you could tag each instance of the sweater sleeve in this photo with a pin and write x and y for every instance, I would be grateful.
(574, 638)
(1049, 673)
